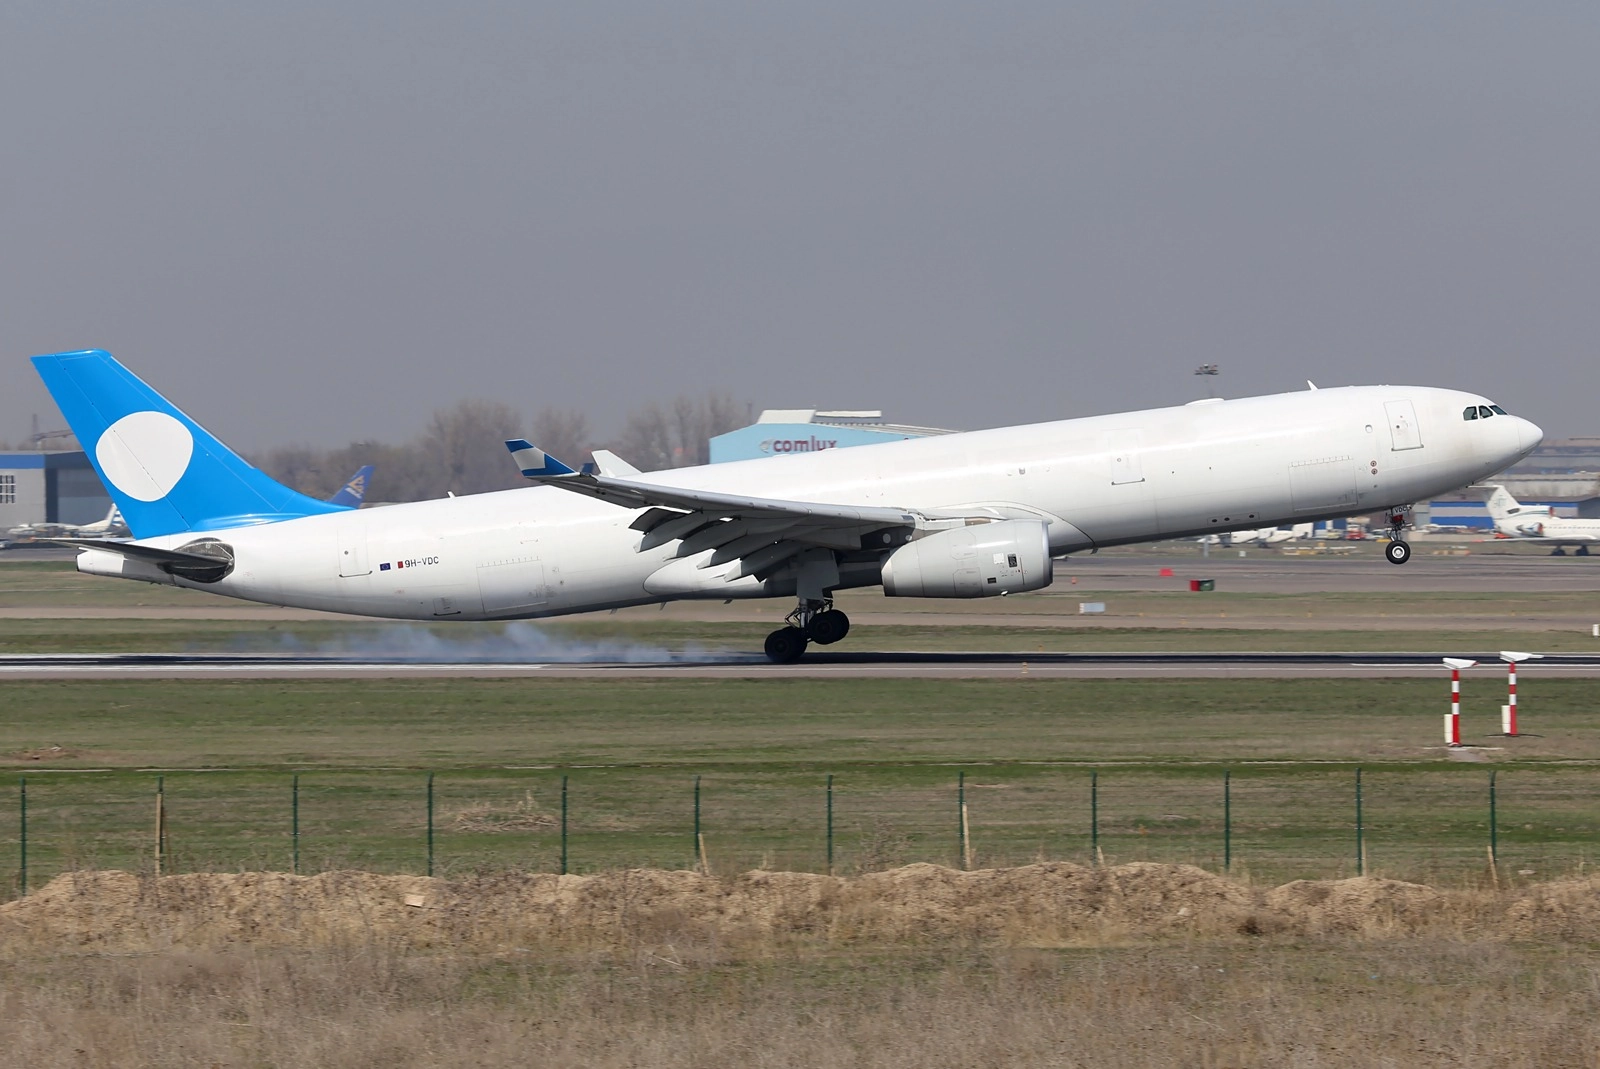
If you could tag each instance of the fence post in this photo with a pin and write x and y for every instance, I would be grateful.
(22, 786)
(830, 823)
(1494, 844)
(698, 851)
(563, 825)
(294, 822)
(161, 822)
(1094, 816)
(961, 817)
(1361, 850)
(1227, 820)
(430, 823)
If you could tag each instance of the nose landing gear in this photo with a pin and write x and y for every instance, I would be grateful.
(1398, 551)
(813, 621)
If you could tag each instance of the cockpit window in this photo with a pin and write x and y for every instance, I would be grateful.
(1497, 410)
(1484, 412)
(1470, 413)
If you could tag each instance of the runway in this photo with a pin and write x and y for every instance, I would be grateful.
(817, 666)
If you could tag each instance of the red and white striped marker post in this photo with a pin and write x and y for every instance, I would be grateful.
(1508, 712)
(1452, 719)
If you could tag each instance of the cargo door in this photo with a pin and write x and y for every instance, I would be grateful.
(1325, 485)
(512, 585)
(1403, 430)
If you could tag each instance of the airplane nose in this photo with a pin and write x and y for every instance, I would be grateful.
(1529, 435)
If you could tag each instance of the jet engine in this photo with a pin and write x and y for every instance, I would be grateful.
(978, 561)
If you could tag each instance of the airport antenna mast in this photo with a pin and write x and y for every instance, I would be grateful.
(1210, 371)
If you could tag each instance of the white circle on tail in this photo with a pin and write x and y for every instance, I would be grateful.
(144, 454)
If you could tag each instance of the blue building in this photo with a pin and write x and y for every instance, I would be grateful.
(39, 487)
(786, 431)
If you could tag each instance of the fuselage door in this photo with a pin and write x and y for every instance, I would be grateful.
(1403, 430)
(1127, 466)
(351, 530)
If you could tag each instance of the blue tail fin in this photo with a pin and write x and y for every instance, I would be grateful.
(166, 473)
(354, 492)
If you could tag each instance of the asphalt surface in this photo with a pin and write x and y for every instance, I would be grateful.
(816, 666)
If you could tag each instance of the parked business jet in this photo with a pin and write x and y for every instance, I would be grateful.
(1539, 523)
(955, 516)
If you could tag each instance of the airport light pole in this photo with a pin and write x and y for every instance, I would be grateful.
(1508, 712)
(1452, 719)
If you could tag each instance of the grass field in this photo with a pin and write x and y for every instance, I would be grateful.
(763, 750)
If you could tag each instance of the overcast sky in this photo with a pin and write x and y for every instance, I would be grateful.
(319, 222)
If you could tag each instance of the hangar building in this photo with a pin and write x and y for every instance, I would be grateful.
(785, 431)
(49, 487)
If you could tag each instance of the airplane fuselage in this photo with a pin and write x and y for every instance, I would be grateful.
(1108, 480)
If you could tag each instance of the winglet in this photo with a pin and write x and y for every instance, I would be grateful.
(608, 463)
(534, 462)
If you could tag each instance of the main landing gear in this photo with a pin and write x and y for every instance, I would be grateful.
(1398, 551)
(814, 621)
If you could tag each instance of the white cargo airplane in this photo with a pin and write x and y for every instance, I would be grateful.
(954, 516)
(1539, 523)
(110, 526)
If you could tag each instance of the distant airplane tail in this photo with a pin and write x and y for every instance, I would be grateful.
(1501, 504)
(112, 520)
(354, 492)
(165, 472)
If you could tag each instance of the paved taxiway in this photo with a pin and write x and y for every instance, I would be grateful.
(824, 666)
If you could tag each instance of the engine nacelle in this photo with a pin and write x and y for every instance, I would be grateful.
(979, 561)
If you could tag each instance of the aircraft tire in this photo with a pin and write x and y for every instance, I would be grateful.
(828, 627)
(1558, 552)
(786, 645)
(1397, 551)
(1581, 551)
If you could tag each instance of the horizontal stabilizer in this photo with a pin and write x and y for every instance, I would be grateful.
(205, 560)
(534, 462)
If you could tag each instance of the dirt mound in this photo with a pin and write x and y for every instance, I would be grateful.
(1565, 909)
(1363, 905)
(1035, 905)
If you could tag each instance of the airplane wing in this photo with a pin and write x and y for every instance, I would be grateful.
(763, 533)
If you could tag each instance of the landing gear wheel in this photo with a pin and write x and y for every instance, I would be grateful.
(1558, 552)
(829, 627)
(1397, 551)
(786, 645)
(1581, 551)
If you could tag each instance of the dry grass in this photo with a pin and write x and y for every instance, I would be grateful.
(1412, 1004)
